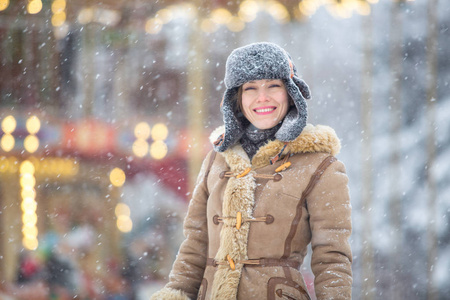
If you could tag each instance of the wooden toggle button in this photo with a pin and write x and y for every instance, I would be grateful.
(231, 262)
(283, 167)
(238, 220)
(246, 171)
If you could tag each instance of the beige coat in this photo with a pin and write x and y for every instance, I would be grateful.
(278, 214)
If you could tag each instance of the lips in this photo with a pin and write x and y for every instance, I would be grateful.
(264, 110)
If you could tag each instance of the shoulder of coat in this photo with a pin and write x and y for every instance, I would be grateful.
(216, 133)
(319, 138)
(235, 156)
(313, 139)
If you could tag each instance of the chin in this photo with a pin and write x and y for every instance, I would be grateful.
(264, 126)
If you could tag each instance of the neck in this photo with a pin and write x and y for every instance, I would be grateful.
(254, 138)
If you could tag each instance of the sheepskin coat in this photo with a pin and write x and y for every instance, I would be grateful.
(248, 224)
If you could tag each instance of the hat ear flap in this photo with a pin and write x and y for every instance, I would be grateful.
(304, 88)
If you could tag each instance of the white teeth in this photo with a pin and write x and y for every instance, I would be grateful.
(264, 110)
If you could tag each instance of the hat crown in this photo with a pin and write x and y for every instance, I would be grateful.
(257, 61)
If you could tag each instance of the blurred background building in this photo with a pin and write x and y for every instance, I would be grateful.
(106, 108)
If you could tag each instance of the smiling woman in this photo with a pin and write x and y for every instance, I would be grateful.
(273, 188)
(264, 102)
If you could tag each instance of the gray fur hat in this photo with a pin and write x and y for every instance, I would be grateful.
(255, 62)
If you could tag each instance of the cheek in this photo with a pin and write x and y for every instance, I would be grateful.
(283, 100)
(245, 105)
(284, 105)
(245, 101)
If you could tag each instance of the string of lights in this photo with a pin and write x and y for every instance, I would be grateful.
(281, 11)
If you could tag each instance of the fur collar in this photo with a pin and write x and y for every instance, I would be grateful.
(319, 138)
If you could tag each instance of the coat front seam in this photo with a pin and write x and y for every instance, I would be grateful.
(312, 182)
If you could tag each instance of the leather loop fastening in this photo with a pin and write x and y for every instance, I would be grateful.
(268, 219)
(261, 262)
(228, 174)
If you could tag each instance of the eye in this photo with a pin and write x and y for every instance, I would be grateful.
(249, 88)
(275, 85)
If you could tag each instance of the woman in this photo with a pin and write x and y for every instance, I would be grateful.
(273, 188)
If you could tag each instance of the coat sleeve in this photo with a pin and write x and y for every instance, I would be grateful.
(330, 220)
(188, 268)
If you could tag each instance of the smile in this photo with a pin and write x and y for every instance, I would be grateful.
(264, 110)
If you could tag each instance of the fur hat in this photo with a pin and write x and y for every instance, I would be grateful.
(255, 62)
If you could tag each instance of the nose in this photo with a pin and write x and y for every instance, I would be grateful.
(262, 96)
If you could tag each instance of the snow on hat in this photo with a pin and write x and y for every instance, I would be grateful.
(255, 62)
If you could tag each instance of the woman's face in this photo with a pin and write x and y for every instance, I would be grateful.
(264, 102)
